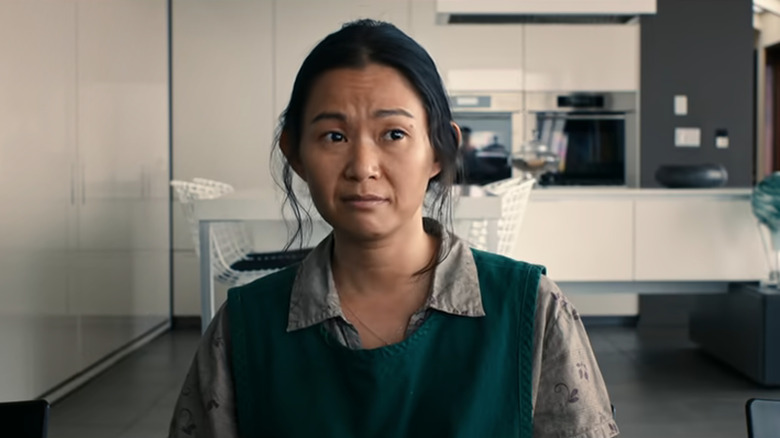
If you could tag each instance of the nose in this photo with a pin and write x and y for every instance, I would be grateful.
(363, 161)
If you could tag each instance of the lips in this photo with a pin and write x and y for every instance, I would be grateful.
(364, 198)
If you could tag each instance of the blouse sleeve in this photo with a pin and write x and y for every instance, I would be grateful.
(570, 397)
(206, 405)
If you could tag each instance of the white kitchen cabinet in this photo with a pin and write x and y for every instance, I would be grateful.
(82, 144)
(37, 146)
(581, 57)
(470, 57)
(301, 24)
(122, 116)
(579, 239)
(546, 7)
(697, 239)
(123, 155)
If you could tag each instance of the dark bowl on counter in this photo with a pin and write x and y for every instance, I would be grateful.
(691, 176)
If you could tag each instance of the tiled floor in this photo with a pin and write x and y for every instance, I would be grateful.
(660, 383)
(134, 398)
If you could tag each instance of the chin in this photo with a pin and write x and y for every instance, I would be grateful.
(360, 230)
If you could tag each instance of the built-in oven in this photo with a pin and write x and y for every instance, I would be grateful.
(593, 137)
(492, 127)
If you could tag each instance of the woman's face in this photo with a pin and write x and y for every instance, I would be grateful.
(365, 152)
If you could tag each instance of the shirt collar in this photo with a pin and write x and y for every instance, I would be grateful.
(454, 290)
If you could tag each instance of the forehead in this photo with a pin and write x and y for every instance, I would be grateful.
(371, 87)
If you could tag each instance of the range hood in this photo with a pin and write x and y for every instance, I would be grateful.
(541, 11)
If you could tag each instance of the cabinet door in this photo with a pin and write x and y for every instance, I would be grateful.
(698, 239)
(579, 240)
(301, 24)
(37, 147)
(470, 57)
(123, 153)
(582, 57)
(122, 115)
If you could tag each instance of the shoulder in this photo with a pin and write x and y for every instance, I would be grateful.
(488, 260)
(552, 304)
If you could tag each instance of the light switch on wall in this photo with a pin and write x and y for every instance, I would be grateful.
(721, 138)
(687, 137)
(680, 105)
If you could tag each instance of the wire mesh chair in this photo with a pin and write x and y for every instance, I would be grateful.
(232, 258)
(514, 193)
(218, 187)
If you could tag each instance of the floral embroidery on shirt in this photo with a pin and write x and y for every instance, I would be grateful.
(560, 298)
(188, 426)
(583, 370)
(571, 396)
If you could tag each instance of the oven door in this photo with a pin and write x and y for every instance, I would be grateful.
(591, 146)
(484, 154)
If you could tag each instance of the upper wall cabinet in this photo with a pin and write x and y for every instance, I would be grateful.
(301, 24)
(470, 56)
(546, 7)
(582, 57)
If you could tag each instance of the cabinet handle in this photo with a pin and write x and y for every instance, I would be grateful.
(143, 182)
(83, 184)
(148, 183)
(72, 183)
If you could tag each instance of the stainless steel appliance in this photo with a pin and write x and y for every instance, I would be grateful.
(492, 126)
(594, 136)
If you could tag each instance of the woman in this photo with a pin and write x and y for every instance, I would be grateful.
(392, 326)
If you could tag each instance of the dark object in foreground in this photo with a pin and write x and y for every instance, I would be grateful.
(25, 419)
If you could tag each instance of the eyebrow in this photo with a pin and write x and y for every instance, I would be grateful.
(378, 114)
(329, 116)
(392, 112)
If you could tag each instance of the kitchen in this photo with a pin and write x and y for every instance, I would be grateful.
(635, 249)
(514, 62)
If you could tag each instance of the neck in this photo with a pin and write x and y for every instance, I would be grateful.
(384, 266)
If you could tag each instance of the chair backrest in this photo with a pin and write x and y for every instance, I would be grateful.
(230, 241)
(514, 194)
(187, 192)
(25, 419)
(763, 418)
(217, 188)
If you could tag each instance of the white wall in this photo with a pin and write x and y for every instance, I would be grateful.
(233, 68)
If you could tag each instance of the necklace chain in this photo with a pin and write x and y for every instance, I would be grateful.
(384, 341)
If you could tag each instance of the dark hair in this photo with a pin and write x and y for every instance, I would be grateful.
(356, 45)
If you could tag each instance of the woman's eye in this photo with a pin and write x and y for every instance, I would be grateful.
(395, 135)
(334, 137)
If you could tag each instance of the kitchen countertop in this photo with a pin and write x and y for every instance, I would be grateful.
(544, 193)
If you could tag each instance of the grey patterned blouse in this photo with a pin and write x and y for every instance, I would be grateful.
(569, 396)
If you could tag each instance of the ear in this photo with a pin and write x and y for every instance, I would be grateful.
(290, 154)
(436, 169)
(458, 134)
